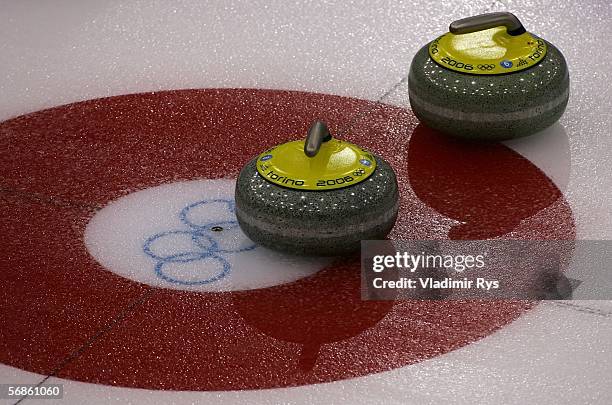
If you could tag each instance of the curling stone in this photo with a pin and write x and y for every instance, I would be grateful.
(321, 196)
(488, 79)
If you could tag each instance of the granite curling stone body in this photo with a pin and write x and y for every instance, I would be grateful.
(488, 79)
(321, 196)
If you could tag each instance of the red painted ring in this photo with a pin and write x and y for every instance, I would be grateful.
(310, 331)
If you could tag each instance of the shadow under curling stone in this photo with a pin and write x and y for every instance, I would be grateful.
(487, 186)
(314, 311)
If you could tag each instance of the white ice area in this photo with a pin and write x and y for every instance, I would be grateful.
(66, 50)
(185, 236)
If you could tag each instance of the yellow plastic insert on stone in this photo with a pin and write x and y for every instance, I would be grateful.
(487, 52)
(338, 164)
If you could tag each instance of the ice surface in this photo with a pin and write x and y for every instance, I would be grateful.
(60, 52)
(54, 55)
(185, 236)
(538, 359)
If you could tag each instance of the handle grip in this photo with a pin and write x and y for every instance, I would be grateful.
(317, 134)
(486, 21)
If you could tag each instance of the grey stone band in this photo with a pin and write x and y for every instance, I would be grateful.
(478, 117)
(347, 230)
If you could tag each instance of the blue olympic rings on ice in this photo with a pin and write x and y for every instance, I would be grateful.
(203, 244)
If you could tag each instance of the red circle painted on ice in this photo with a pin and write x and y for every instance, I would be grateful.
(61, 313)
